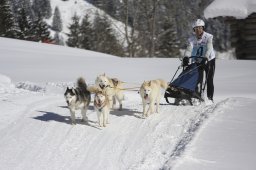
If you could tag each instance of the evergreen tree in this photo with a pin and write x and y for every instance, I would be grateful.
(57, 21)
(42, 7)
(221, 32)
(111, 7)
(58, 39)
(41, 30)
(18, 5)
(8, 27)
(98, 3)
(87, 33)
(26, 25)
(73, 36)
(104, 39)
(168, 41)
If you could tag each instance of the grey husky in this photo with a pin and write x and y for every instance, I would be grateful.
(78, 98)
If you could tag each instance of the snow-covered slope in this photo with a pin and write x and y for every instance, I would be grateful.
(80, 7)
(36, 132)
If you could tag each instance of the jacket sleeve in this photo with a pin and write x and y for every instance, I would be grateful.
(209, 48)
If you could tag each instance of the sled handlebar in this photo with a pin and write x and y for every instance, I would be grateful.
(200, 60)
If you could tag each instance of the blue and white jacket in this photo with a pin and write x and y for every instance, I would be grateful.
(201, 47)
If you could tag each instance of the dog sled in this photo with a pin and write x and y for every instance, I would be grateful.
(187, 88)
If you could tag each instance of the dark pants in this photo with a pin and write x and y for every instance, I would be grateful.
(210, 70)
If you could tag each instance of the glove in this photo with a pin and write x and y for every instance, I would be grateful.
(185, 61)
(204, 61)
(198, 60)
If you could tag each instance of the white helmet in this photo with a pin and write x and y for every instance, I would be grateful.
(198, 23)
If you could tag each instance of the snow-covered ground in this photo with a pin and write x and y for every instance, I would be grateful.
(36, 132)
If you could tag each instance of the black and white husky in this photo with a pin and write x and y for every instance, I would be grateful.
(78, 98)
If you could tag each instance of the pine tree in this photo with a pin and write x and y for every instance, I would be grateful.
(104, 39)
(41, 30)
(26, 25)
(57, 21)
(18, 5)
(58, 39)
(42, 7)
(8, 27)
(73, 36)
(98, 3)
(87, 33)
(168, 41)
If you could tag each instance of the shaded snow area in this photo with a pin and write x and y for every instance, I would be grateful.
(36, 131)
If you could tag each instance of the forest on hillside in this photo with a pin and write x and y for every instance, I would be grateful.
(153, 28)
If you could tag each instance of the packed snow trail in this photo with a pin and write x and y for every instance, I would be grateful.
(226, 141)
(39, 131)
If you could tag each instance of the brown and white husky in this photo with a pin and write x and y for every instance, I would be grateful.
(102, 107)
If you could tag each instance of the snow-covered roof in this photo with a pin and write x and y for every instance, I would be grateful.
(239, 9)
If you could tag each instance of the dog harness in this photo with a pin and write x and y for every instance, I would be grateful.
(99, 105)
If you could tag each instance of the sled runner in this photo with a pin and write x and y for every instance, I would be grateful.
(189, 84)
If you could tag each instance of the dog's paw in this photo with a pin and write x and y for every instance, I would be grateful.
(84, 121)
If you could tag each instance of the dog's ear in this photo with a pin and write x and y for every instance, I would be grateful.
(115, 81)
(149, 83)
(73, 90)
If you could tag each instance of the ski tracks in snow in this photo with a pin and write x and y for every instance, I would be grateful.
(41, 136)
(203, 112)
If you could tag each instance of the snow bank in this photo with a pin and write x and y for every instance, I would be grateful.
(228, 55)
(4, 80)
(30, 86)
(239, 9)
(5, 83)
(46, 88)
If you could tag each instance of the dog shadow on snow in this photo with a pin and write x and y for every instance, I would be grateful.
(51, 116)
(117, 112)
(126, 112)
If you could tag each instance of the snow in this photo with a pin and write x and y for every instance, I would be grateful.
(80, 7)
(35, 124)
(231, 127)
(239, 9)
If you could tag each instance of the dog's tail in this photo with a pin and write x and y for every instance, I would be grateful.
(81, 84)
(163, 84)
(94, 89)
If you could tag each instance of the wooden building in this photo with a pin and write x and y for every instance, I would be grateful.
(243, 36)
(241, 15)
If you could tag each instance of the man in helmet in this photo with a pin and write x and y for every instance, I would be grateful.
(200, 45)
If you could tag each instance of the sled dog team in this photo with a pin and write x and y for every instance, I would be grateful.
(107, 91)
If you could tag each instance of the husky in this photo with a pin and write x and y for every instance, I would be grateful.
(102, 107)
(112, 87)
(150, 93)
(78, 98)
